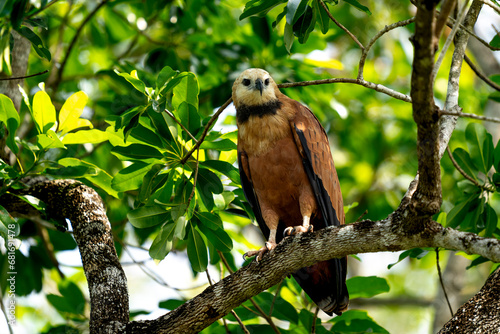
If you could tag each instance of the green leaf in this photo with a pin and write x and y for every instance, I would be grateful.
(71, 299)
(496, 157)
(196, 250)
(220, 145)
(209, 219)
(140, 152)
(305, 25)
(159, 122)
(463, 159)
(170, 304)
(133, 79)
(322, 16)
(366, 287)
(147, 216)
(207, 185)
(259, 7)
(224, 168)
(164, 76)
(130, 177)
(10, 117)
(480, 145)
(295, 9)
(93, 136)
(72, 109)
(36, 42)
(219, 238)
(495, 41)
(490, 218)
(162, 244)
(189, 117)
(149, 182)
(415, 253)
(456, 215)
(359, 6)
(49, 140)
(356, 321)
(44, 113)
(8, 226)
(477, 261)
(288, 37)
(186, 90)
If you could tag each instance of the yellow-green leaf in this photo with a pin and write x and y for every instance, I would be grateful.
(93, 136)
(44, 113)
(69, 116)
(9, 116)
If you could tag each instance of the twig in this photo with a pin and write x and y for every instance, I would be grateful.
(468, 115)
(24, 77)
(274, 298)
(42, 9)
(377, 87)
(195, 176)
(313, 327)
(446, 8)
(73, 42)
(205, 131)
(494, 6)
(451, 36)
(182, 126)
(386, 29)
(441, 281)
(340, 25)
(480, 74)
(460, 170)
(470, 32)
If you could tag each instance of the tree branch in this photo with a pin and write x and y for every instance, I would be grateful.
(303, 250)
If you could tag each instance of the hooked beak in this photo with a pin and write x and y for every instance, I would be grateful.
(259, 85)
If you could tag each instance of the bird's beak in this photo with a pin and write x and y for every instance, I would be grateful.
(259, 86)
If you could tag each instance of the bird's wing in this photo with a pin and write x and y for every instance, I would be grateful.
(312, 143)
(248, 190)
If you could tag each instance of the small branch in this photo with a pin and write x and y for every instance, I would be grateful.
(480, 74)
(470, 32)
(450, 38)
(354, 38)
(460, 170)
(468, 115)
(73, 43)
(494, 6)
(42, 9)
(181, 125)
(441, 280)
(377, 87)
(386, 29)
(24, 77)
(205, 131)
(446, 8)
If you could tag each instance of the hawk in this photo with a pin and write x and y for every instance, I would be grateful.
(289, 179)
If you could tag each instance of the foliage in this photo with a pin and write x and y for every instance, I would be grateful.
(130, 115)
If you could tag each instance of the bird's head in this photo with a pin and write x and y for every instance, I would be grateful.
(254, 87)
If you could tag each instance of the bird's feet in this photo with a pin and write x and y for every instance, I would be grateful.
(297, 229)
(260, 252)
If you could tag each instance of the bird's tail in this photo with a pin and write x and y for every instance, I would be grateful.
(324, 282)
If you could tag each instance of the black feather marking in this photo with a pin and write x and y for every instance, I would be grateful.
(332, 295)
(243, 112)
(251, 197)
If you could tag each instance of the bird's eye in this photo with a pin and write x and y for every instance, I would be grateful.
(266, 82)
(246, 82)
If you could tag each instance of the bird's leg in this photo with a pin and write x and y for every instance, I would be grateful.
(270, 245)
(305, 227)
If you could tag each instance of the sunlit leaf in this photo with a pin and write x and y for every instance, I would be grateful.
(133, 79)
(259, 7)
(356, 321)
(93, 136)
(186, 91)
(162, 244)
(70, 113)
(144, 153)
(10, 117)
(44, 113)
(49, 140)
(130, 177)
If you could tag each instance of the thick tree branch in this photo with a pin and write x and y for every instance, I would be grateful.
(428, 194)
(302, 250)
(69, 199)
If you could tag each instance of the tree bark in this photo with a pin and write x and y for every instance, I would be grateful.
(481, 314)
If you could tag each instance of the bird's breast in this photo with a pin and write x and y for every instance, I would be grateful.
(258, 134)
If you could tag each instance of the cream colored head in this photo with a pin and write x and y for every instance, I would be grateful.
(254, 87)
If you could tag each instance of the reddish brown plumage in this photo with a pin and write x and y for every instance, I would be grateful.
(289, 177)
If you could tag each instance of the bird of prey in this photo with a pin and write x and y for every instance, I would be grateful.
(289, 179)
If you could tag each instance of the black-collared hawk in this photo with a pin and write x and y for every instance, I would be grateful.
(289, 179)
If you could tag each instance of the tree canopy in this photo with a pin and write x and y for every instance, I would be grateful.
(118, 140)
